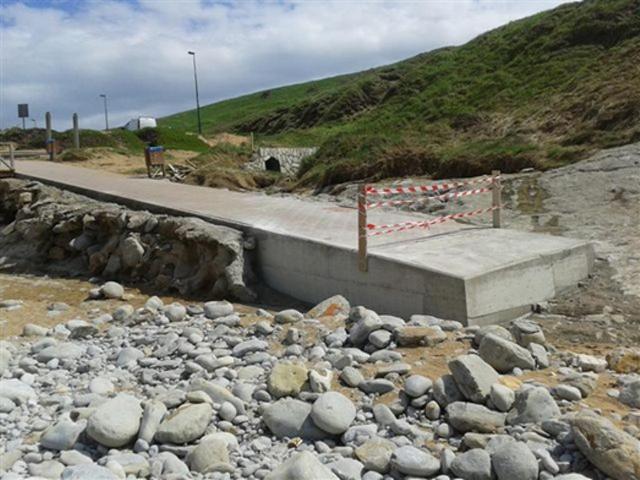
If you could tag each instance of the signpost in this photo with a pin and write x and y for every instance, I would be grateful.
(23, 113)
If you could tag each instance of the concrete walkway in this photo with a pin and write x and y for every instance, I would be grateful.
(307, 249)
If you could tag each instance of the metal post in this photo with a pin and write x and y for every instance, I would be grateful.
(24, 125)
(195, 77)
(363, 262)
(76, 132)
(496, 188)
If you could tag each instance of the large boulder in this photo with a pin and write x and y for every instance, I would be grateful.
(411, 336)
(17, 391)
(375, 454)
(291, 418)
(115, 423)
(630, 394)
(473, 376)
(367, 321)
(608, 448)
(336, 305)
(333, 412)
(303, 465)
(470, 417)
(446, 391)
(63, 435)
(287, 379)
(412, 461)
(533, 405)
(217, 309)
(88, 471)
(211, 455)
(514, 460)
(217, 393)
(624, 360)
(504, 355)
(185, 424)
(474, 464)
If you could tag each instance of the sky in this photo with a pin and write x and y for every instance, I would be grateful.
(60, 55)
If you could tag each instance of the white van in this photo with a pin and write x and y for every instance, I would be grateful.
(140, 123)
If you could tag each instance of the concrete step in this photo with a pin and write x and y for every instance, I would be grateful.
(307, 249)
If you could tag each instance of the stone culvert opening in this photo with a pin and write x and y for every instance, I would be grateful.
(272, 164)
(70, 234)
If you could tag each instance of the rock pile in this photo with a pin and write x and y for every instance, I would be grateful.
(76, 234)
(202, 391)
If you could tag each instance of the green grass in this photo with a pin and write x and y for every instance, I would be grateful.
(124, 140)
(172, 139)
(540, 92)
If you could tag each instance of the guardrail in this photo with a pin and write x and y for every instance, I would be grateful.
(451, 191)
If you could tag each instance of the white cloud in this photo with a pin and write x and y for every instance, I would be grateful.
(61, 60)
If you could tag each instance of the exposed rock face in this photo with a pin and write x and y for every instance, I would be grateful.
(610, 449)
(68, 232)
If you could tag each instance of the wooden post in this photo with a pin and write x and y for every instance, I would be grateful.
(50, 146)
(47, 120)
(252, 143)
(76, 132)
(11, 158)
(496, 189)
(363, 262)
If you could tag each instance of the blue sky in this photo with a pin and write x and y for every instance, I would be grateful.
(59, 55)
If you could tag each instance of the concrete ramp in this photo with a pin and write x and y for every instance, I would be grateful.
(307, 249)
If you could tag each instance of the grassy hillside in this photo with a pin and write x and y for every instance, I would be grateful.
(133, 142)
(542, 91)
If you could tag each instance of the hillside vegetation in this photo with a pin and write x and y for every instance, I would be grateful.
(540, 92)
(119, 139)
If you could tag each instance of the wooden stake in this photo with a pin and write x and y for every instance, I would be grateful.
(496, 190)
(363, 262)
(50, 149)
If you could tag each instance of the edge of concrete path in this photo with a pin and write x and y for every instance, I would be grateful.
(183, 212)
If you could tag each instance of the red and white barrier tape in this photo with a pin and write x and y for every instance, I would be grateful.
(444, 197)
(401, 227)
(436, 187)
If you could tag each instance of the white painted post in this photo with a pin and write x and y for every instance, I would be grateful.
(496, 188)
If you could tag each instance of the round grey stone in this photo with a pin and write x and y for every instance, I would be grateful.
(333, 412)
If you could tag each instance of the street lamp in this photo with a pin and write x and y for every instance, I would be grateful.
(195, 77)
(35, 123)
(106, 112)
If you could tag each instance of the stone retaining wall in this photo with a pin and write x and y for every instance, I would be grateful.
(75, 234)
(285, 160)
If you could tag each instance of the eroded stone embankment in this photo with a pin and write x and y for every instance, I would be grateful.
(75, 234)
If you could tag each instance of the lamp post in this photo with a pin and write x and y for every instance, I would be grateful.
(195, 77)
(106, 111)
